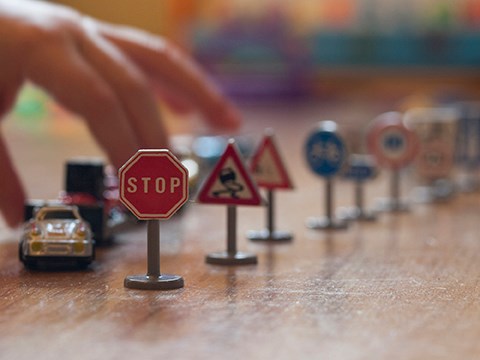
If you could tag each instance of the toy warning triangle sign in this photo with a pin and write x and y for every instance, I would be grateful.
(230, 183)
(267, 166)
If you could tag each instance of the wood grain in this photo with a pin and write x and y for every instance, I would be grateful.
(404, 287)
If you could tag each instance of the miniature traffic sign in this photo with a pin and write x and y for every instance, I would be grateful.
(468, 145)
(436, 128)
(267, 166)
(153, 186)
(269, 172)
(361, 168)
(394, 147)
(391, 142)
(326, 152)
(230, 184)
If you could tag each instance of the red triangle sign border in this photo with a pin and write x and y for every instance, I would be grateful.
(232, 153)
(268, 143)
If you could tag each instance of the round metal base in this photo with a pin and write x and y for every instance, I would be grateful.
(356, 214)
(225, 258)
(325, 223)
(266, 235)
(392, 205)
(148, 282)
(440, 192)
(468, 184)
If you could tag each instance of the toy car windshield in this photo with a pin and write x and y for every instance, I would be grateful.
(58, 214)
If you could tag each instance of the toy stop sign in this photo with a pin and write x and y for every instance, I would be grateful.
(153, 184)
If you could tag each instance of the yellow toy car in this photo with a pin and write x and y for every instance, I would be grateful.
(57, 237)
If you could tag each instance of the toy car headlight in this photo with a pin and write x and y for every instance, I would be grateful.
(35, 232)
(79, 247)
(80, 233)
(36, 246)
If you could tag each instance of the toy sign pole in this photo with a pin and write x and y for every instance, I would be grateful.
(232, 229)
(269, 233)
(361, 213)
(270, 173)
(153, 280)
(359, 203)
(153, 185)
(394, 146)
(230, 184)
(270, 212)
(326, 153)
(361, 168)
(232, 256)
(395, 191)
(329, 198)
(153, 248)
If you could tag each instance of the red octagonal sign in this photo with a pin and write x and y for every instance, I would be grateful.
(153, 184)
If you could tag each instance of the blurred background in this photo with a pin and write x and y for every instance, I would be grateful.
(299, 49)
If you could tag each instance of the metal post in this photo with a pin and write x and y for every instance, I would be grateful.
(359, 196)
(270, 212)
(231, 229)
(153, 248)
(395, 187)
(329, 198)
(153, 280)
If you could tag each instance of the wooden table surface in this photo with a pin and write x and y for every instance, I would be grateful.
(404, 287)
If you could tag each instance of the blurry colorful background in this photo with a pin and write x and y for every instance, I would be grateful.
(298, 48)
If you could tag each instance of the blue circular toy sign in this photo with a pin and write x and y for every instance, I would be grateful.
(325, 152)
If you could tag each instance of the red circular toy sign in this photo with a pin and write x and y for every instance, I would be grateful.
(153, 184)
(393, 145)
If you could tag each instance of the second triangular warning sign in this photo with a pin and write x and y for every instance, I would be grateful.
(230, 183)
(267, 166)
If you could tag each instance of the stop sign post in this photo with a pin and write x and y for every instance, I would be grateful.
(153, 186)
